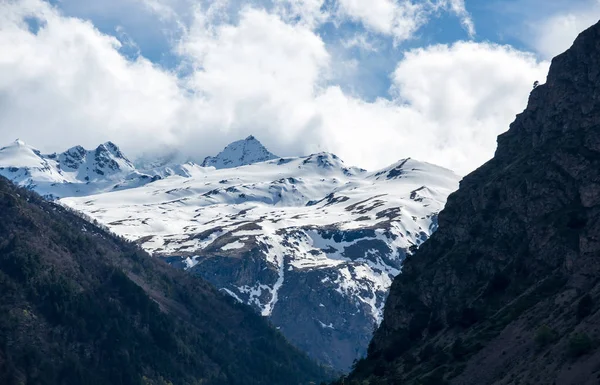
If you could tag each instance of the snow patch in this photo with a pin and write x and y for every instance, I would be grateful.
(233, 246)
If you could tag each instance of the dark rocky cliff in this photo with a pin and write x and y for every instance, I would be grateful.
(507, 291)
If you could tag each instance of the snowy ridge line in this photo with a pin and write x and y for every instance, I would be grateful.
(293, 206)
(309, 242)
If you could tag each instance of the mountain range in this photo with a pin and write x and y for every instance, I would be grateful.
(75, 172)
(308, 242)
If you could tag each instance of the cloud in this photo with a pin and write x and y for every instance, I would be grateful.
(361, 41)
(259, 76)
(556, 33)
(69, 84)
(401, 19)
(398, 19)
(459, 9)
(450, 103)
(311, 13)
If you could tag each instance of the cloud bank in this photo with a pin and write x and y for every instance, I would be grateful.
(267, 73)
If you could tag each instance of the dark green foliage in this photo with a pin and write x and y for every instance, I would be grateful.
(436, 378)
(579, 344)
(435, 324)
(468, 317)
(544, 336)
(458, 350)
(89, 308)
(498, 284)
(584, 307)
(400, 344)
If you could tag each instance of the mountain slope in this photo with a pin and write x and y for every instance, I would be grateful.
(80, 306)
(507, 290)
(75, 172)
(240, 153)
(308, 242)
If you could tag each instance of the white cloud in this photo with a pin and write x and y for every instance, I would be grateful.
(556, 34)
(400, 19)
(68, 84)
(459, 9)
(361, 41)
(450, 104)
(259, 76)
(307, 12)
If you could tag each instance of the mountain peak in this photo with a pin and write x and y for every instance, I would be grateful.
(240, 153)
(19, 154)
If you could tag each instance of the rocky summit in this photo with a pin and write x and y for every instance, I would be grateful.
(507, 291)
(240, 153)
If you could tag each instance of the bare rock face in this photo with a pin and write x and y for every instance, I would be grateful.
(507, 291)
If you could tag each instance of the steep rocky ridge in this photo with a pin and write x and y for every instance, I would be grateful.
(507, 291)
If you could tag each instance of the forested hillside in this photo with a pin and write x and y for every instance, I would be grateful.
(81, 306)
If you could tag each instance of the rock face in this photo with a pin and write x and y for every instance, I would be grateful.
(240, 153)
(507, 291)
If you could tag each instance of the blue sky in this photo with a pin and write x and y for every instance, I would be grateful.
(500, 21)
(495, 21)
(373, 81)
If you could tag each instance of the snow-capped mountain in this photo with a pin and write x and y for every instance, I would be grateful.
(240, 153)
(308, 242)
(75, 172)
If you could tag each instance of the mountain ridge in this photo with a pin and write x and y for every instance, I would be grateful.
(82, 306)
(74, 172)
(506, 290)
